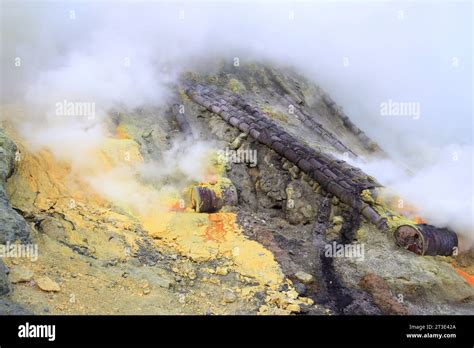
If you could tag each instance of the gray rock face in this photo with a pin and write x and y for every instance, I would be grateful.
(271, 181)
(244, 185)
(7, 307)
(7, 149)
(302, 203)
(12, 225)
(4, 283)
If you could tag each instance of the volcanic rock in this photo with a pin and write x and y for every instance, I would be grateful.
(229, 296)
(20, 274)
(382, 294)
(304, 277)
(4, 281)
(46, 284)
(12, 225)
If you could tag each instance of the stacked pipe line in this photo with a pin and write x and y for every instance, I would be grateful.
(282, 86)
(319, 129)
(335, 176)
(287, 94)
(336, 111)
(316, 126)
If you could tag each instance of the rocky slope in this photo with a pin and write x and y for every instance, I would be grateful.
(264, 253)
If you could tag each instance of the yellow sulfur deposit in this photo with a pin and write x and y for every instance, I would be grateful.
(43, 186)
(91, 199)
(206, 236)
(383, 206)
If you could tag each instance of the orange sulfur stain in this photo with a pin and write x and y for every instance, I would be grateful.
(218, 225)
(203, 237)
(419, 220)
(469, 278)
(177, 206)
(402, 207)
(121, 133)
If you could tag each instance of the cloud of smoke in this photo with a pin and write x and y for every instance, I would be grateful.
(183, 161)
(439, 192)
(364, 54)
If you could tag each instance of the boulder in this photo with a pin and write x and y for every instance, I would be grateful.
(20, 274)
(304, 277)
(47, 284)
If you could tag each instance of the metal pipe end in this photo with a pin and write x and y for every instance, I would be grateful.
(410, 238)
(424, 239)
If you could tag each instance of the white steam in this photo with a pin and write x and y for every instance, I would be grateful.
(185, 158)
(440, 192)
(363, 53)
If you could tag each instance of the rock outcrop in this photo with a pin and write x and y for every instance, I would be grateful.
(263, 249)
(12, 225)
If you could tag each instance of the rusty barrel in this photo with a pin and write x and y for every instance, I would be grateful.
(424, 239)
(205, 199)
